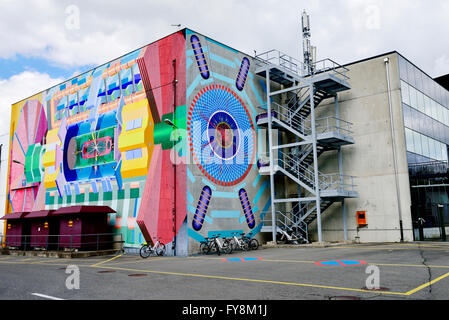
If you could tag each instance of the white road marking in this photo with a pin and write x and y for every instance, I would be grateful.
(46, 297)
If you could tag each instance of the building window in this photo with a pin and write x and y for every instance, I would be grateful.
(425, 146)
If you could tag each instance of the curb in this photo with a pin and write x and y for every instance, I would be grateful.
(59, 254)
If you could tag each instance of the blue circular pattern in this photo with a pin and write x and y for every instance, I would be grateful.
(221, 135)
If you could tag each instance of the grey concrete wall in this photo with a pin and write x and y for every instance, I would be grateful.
(370, 159)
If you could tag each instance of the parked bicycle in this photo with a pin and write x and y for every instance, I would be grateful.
(216, 245)
(147, 250)
(239, 243)
(253, 243)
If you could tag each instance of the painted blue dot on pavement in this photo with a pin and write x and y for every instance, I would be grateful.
(233, 259)
(240, 259)
(330, 263)
(349, 262)
(340, 263)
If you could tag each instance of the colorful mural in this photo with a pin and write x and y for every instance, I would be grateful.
(164, 135)
(225, 192)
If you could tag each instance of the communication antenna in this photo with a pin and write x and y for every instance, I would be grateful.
(308, 50)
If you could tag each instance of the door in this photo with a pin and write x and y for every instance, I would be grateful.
(430, 222)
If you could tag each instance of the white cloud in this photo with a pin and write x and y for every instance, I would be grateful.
(19, 87)
(343, 30)
(441, 65)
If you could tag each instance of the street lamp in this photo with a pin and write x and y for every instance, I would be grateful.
(169, 122)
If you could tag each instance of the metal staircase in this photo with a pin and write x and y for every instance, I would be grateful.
(298, 160)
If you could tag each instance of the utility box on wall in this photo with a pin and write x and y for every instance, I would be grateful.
(361, 219)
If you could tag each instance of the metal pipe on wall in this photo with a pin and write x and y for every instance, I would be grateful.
(395, 162)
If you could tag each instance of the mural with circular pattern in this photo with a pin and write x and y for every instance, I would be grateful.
(221, 135)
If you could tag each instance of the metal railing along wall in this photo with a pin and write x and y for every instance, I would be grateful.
(276, 57)
(328, 65)
(98, 241)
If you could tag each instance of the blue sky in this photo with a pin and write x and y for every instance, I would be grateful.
(18, 64)
(45, 42)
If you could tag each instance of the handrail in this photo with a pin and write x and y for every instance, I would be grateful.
(304, 125)
(327, 65)
(94, 240)
(287, 223)
(281, 59)
(327, 124)
(326, 182)
(291, 64)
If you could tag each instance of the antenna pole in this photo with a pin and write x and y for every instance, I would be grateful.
(309, 51)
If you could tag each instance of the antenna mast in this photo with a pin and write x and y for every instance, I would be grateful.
(308, 50)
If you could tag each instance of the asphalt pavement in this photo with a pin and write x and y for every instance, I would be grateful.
(390, 271)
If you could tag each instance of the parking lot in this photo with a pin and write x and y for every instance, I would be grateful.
(337, 272)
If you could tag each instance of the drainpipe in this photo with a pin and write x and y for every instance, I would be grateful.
(395, 161)
(174, 165)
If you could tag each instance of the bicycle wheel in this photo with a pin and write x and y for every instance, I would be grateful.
(227, 247)
(254, 244)
(160, 250)
(145, 251)
(212, 247)
(245, 245)
(204, 248)
(215, 248)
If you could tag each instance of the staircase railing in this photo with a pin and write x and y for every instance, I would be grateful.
(328, 65)
(282, 60)
(291, 165)
(333, 124)
(284, 222)
(304, 125)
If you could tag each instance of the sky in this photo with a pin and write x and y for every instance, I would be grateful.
(44, 42)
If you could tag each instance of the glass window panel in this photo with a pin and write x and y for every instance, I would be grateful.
(426, 84)
(407, 115)
(444, 152)
(402, 68)
(420, 97)
(413, 98)
(410, 74)
(436, 130)
(446, 116)
(432, 90)
(417, 142)
(418, 79)
(434, 113)
(425, 146)
(411, 158)
(427, 106)
(440, 114)
(409, 140)
(428, 126)
(446, 100)
(433, 146)
(405, 93)
(415, 115)
(438, 149)
(439, 93)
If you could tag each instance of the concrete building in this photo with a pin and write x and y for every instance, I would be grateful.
(199, 139)
(398, 118)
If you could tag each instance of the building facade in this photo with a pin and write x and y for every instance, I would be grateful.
(164, 135)
(396, 189)
(170, 136)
